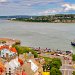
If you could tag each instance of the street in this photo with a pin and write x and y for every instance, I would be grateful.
(66, 68)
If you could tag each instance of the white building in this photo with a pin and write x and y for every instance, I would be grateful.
(6, 51)
(34, 67)
(13, 64)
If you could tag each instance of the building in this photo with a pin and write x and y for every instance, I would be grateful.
(7, 51)
(12, 66)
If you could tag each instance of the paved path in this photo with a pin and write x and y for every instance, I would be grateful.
(66, 68)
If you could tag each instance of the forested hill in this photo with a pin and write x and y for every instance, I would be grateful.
(59, 18)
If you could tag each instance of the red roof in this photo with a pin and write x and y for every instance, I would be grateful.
(7, 47)
(23, 73)
(20, 61)
(13, 50)
(2, 68)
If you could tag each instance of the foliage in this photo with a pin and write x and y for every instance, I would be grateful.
(47, 60)
(55, 64)
(55, 71)
(23, 49)
(49, 18)
(2, 41)
(57, 59)
(73, 57)
(51, 62)
(73, 73)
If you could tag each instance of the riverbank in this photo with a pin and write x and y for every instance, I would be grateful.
(68, 21)
(8, 41)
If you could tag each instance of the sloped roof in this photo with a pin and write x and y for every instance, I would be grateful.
(20, 61)
(2, 68)
(27, 68)
(8, 48)
(13, 50)
(34, 67)
(23, 73)
(13, 63)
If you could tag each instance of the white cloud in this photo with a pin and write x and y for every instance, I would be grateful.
(68, 7)
(3, 1)
(34, 7)
(51, 11)
(46, 12)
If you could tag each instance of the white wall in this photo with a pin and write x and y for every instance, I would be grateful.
(4, 51)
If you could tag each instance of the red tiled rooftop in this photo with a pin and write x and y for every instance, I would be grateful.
(13, 50)
(7, 47)
(2, 68)
(20, 61)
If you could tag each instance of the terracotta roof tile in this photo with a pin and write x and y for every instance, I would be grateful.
(2, 68)
(7, 47)
(20, 61)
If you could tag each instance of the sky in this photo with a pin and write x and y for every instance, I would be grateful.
(36, 7)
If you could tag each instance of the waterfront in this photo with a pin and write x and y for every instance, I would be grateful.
(50, 35)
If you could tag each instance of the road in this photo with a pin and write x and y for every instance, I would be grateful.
(66, 68)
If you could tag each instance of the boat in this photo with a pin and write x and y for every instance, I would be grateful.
(73, 43)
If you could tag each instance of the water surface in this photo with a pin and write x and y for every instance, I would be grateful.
(51, 35)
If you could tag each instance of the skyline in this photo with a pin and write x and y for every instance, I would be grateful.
(36, 7)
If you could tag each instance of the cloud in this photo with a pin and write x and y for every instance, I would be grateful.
(34, 7)
(2, 1)
(68, 7)
(51, 11)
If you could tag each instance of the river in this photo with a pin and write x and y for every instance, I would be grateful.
(44, 35)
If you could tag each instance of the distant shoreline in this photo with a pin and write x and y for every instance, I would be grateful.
(58, 18)
(38, 22)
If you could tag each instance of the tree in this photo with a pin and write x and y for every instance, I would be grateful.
(23, 49)
(73, 73)
(52, 62)
(55, 64)
(55, 71)
(57, 59)
(73, 57)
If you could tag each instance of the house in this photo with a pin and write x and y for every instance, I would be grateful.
(30, 67)
(34, 67)
(7, 51)
(27, 67)
(12, 65)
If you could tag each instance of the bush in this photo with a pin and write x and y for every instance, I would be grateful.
(22, 49)
(73, 57)
(73, 73)
(55, 71)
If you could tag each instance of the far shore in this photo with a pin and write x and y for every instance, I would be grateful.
(40, 22)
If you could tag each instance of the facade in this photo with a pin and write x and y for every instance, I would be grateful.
(12, 65)
(6, 51)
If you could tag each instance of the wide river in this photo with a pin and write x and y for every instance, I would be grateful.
(44, 35)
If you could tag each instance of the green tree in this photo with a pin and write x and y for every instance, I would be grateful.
(73, 73)
(55, 71)
(23, 49)
(73, 57)
(57, 59)
(55, 64)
